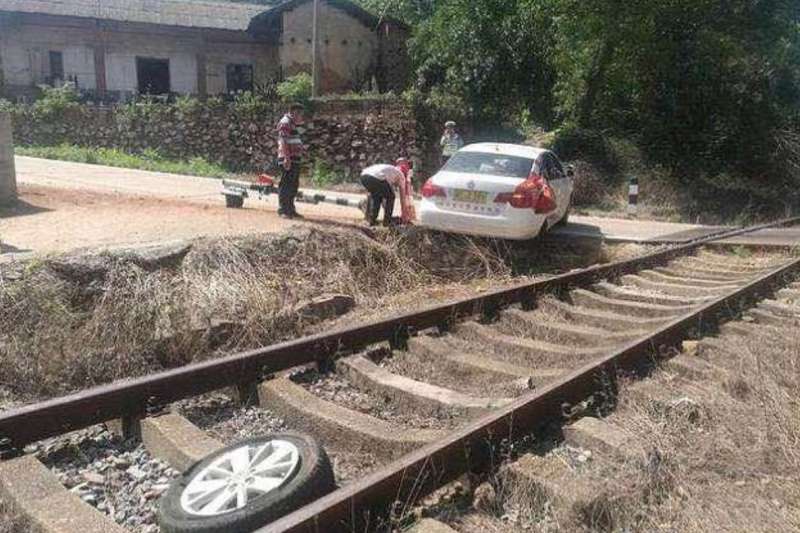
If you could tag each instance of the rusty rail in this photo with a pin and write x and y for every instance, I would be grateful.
(130, 399)
(472, 448)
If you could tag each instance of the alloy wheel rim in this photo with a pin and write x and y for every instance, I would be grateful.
(237, 477)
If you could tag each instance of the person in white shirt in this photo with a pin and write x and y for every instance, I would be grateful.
(380, 181)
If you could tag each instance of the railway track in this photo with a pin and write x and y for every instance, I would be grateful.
(409, 404)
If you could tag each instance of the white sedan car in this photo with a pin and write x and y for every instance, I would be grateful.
(506, 191)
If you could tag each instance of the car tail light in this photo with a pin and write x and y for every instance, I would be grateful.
(533, 193)
(546, 203)
(429, 190)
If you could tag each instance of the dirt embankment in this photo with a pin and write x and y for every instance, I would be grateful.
(71, 322)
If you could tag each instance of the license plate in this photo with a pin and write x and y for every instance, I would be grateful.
(470, 197)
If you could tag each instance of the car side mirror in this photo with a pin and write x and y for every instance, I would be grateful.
(570, 171)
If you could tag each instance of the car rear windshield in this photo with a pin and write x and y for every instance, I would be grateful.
(491, 164)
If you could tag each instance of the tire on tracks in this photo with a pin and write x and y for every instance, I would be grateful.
(310, 478)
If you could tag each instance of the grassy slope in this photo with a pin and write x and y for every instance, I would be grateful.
(148, 160)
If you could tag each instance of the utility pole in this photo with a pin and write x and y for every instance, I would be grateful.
(315, 62)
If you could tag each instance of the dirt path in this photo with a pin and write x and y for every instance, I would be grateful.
(65, 206)
(49, 220)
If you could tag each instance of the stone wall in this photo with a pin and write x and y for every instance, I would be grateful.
(8, 179)
(346, 135)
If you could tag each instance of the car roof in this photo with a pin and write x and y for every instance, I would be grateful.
(518, 150)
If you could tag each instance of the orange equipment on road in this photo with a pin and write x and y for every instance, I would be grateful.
(408, 213)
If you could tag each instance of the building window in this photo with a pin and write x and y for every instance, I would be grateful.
(56, 67)
(239, 78)
(152, 75)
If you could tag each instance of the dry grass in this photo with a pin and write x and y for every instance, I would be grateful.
(733, 461)
(69, 324)
(719, 454)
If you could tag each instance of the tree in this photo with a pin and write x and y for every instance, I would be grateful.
(490, 52)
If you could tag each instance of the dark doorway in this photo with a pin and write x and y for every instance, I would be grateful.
(56, 67)
(153, 75)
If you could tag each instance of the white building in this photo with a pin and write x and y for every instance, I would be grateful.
(121, 47)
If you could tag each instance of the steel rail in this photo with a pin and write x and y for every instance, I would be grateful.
(31, 423)
(471, 449)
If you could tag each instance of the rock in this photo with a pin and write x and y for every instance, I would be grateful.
(524, 384)
(84, 269)
(121, 463)
(685, 409)
(326, 307)
(137, 473)
(93, 478)
(485, 498)
(80, 488)
(161, 256)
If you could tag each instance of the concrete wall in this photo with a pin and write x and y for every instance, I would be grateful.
(8, 178)
(90, 46)
(25, 52)
(348, 48)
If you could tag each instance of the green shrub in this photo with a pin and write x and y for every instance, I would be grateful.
(150, 159)
(369, 96)
(323, 174)
(297, 88)
(571, 142)
(591, 186)
(250, 104)
(55, 100)
(187, 104)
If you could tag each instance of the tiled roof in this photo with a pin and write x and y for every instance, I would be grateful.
(191, 14)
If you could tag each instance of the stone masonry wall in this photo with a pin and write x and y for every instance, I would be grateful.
(8, 179)
(346, 135)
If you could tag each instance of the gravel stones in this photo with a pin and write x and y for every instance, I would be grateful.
(117, 477)
(334, 389)
(223, 419)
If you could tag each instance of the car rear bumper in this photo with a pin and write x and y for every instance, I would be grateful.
(512, 224)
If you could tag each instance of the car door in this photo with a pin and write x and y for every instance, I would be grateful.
(553, 172)
(568, 182)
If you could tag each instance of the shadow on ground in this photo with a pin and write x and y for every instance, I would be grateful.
(21, 208)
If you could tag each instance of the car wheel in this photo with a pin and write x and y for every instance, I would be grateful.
(565, 219)
(247, 485)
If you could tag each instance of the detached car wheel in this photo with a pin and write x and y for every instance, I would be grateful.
(247, 485)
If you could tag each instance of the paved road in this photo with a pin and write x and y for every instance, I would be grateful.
(72, 205)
